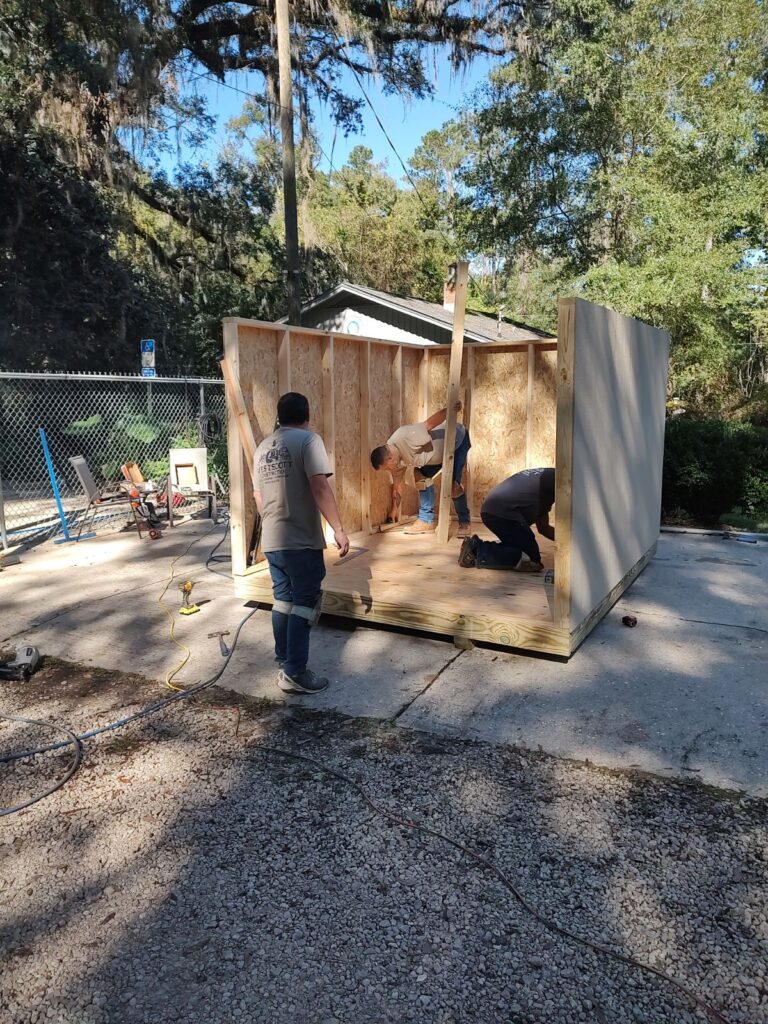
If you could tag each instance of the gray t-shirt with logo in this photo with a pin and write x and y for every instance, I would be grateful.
(283, 464)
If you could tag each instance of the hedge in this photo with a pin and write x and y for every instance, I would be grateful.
(712, 467)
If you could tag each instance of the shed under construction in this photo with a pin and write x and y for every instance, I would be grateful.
(591, 403)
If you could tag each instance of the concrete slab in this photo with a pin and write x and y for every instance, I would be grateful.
(98, 604)
(684, 693)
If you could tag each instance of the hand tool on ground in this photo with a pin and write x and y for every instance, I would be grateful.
(221, 633)
(187, 608)
(22, 666)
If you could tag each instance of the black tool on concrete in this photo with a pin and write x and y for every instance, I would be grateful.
(23, 664)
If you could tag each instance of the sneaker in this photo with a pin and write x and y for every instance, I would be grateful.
(468, 553)
(420, 527)
(464, 530)
(307, 682)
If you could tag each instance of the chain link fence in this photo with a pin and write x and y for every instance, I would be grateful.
(107, 419)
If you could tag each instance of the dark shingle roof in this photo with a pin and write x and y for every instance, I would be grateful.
(479, 326)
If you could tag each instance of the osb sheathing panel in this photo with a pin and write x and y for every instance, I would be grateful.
(544, 409)
(346, 375)
(499, 422)
(258, 377)
(257, 359)
(439, 363)
(307, 375)
(411, 361)
(381, 426)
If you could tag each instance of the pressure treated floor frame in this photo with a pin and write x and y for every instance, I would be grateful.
(592, 404)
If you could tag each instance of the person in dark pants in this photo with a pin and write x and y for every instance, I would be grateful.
(508, 511)
(414, 454)
(290, 472)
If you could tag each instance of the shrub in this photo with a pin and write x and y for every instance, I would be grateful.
(712, 467)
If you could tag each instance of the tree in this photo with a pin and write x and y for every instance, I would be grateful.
(379, 234)
(629, 148)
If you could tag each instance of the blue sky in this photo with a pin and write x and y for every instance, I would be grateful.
(406, 121)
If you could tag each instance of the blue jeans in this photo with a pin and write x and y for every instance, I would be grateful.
(296, 579)
(516, 537)
(427, 496)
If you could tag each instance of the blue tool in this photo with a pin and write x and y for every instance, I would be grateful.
(66, 539)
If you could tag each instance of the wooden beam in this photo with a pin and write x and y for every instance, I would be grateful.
(365, 436)
(468, 424)
(236, 402)
(284, 363)
(529, 408)
(329, 415)
(397, 388)
(548, 344)
(454, 383)
(566, 330)
(424, 384)
(241, 449)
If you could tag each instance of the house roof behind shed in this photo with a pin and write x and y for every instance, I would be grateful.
(477, 326)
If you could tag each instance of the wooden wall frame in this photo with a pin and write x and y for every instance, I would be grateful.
(591, 403)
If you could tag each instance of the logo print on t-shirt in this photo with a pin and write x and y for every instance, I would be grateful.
(275, 463)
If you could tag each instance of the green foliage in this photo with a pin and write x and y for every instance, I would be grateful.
(713, 467)
(378, 234)
(627, 150)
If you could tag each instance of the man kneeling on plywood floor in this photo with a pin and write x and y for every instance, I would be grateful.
(509, 511)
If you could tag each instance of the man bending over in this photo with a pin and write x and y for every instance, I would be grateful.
(416, 450)
(291, 470)
(508, 511)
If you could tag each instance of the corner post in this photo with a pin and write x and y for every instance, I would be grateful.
(454, 383)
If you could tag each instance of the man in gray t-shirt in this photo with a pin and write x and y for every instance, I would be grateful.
(290, 472)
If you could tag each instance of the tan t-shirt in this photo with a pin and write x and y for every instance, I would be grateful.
(282, 467)
(419, 447)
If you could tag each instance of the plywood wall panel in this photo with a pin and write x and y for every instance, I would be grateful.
(346, 372)
(619, 396)
(381, 426)
(439, 363)
(499, 406)
(307, 374)
(257, 354)
(411, 401)
(544, 411)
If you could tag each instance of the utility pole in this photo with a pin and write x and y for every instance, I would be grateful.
(293, 263)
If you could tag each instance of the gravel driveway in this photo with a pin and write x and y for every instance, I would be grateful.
(182, 876)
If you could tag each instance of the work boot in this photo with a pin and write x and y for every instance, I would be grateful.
(526, 565)
(305, 682)
(468, 553)
(464, 530)
(420, 527)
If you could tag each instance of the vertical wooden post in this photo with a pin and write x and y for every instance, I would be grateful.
(468, 424)
(424, 384)
(397, 388)
(566, 330)
(329, 415)
(238, 480)
(284, 363)
(454, 383)
(365, 435)
(529, 408)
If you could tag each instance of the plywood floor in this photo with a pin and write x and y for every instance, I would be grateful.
(405, 580)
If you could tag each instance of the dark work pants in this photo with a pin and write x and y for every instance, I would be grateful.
(515, 537)
(297, 577)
